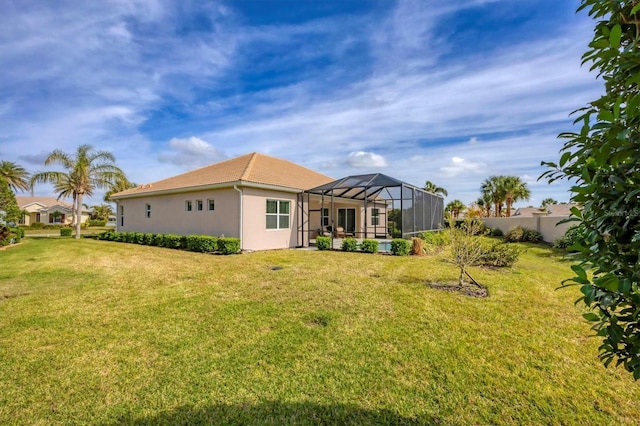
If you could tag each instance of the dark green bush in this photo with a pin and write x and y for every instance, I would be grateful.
(400, 247)
(228, 245)
(158, 240)
(106, 235)
(96, 222)
(349, 244)
(532, 236)
(66, 232)
(500, 255)
(149, 239)
(139, 238)
(172, 241)
(574, 235)
(497, 232)
(18, 231)
(37, 225)
(369, 246)
(323, 243)
(52, 226)
(201, 243)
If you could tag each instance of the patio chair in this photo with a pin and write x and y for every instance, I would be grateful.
(340, 232)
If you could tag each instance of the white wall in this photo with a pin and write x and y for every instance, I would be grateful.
(546, 225)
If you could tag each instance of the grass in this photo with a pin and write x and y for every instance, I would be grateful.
(107, 333)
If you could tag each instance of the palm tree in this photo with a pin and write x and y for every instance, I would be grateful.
(16, 176)
(484, 201)
(493, 189)
(434, 189)
(120, 184)
(547, 202)
(455, 207)
(86, 170)
(515, 190)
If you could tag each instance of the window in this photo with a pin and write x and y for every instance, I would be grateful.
(37, 217)
(212, 205)
(121, 215)
(187, 205)
(277, 214)
(148, 211)
(199, 205)
(375, 217)
(325, 217)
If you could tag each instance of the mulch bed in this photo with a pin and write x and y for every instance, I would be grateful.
(466, 289)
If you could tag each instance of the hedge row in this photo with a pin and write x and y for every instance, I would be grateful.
(197, 243)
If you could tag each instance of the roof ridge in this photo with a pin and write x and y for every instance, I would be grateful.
(247, 170)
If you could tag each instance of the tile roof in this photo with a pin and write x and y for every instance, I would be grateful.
(24, 201)
(251, 168)
(552, 210)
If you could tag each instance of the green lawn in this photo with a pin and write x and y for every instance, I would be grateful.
(96, 332)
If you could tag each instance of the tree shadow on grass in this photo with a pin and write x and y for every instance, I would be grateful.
(276, 413)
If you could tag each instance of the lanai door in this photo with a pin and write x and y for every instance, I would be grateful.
(347, 219)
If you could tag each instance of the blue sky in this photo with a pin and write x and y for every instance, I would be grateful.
(447, 91)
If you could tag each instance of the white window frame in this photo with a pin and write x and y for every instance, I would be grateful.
(278, 214)
(147, 211)
(325, 216)
(375, 216)
(188, 206)
(199, 205)
(211, 204)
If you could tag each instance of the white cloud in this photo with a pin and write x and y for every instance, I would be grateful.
(191, 152)
(362, 160)
(459, 166)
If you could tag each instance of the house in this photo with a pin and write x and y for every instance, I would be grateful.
(563, 210)
(267, 202)
(47, 210)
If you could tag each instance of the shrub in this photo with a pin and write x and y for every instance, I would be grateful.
(323, 243)
(172, 241)
(497, 232)
(18, 231)
(201, 243)
(500, 255)
(516, 235)
(158, 240)
(400, 247)
(349, 244)
(96, 222)
(37, 225)
(532, 236)
(228, 245)
(574, 235)
(369, 246)
(521, 234)
(148, 239)
(106, 235)
(417, 246)
(139, 238)
(65, 232)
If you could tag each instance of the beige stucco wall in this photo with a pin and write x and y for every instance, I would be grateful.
(547, 225)
(255, 234)
(169, 215)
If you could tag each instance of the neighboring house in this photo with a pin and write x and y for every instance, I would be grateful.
(563, 210)
(47, 210)
(262, 200)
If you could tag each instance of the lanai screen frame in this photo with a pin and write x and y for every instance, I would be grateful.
(378, 188)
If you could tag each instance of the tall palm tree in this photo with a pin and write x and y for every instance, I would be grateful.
(16, 176)
(514, 190)
(484, 201)
(493, 188)
(434, 189)
(85, 171)
(455, 207)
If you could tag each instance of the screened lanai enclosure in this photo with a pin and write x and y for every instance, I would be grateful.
(369, 206)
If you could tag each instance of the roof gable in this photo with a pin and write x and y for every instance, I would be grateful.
(24, 201)
(251, 168)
